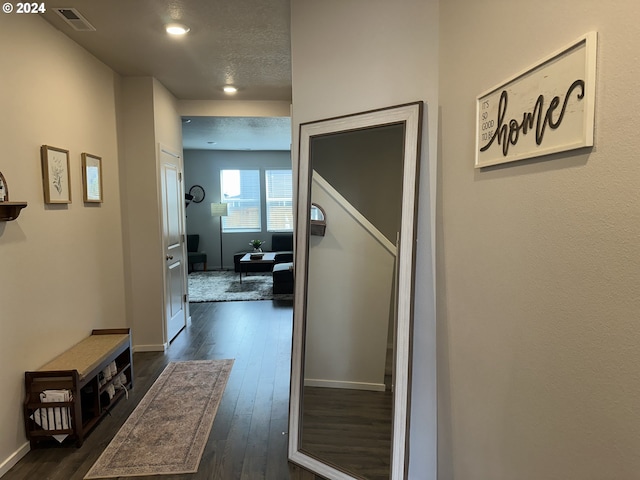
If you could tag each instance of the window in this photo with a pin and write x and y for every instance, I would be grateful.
(241, 191)
(279, 194)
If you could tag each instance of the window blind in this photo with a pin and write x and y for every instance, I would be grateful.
(279, 195)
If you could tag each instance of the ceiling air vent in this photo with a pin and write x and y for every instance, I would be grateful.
(75, 19)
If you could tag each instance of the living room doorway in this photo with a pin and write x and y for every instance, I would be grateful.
(240, 170)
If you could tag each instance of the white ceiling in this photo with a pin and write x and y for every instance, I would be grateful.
(241, 42)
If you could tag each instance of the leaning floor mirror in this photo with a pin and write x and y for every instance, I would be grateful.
(355, 238)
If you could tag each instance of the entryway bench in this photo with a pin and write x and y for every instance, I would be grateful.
(82, 384)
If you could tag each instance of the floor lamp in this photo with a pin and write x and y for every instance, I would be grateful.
(219, 210)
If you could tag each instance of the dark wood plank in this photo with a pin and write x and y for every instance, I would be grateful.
(350, 429)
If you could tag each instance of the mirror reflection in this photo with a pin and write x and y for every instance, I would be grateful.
(317, 214)
(347, 399)
(352, 324)
(317, 220)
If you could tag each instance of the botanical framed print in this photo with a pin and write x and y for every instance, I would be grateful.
(92, 178)
(56, 174)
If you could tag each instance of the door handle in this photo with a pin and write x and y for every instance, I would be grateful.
(169, 257)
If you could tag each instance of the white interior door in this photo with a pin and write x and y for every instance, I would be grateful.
(173, 243)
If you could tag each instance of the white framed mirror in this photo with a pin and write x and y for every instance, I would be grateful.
(351, 356)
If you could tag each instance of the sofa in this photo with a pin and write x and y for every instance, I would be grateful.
(281, 244)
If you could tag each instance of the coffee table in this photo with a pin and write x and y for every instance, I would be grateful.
(269, 257)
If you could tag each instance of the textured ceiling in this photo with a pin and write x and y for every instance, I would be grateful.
(241, 42)
(236, 133)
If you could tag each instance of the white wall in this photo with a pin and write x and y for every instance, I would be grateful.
(539, 261)
(142, 226)
(354, 56)
(149, 117)
(168, 125)
(62, 269)
(350, 282)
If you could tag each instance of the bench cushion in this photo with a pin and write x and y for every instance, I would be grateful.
(87, 355)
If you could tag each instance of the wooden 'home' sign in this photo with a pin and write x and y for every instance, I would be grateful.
(548, 108)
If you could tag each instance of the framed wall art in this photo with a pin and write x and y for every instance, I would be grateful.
(92, 178)
(4, 189)
(548, 108)
(56, 174)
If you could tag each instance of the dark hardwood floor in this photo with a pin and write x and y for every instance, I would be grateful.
(350, 429)
(247, 440)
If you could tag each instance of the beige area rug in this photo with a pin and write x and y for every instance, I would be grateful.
(168, 430)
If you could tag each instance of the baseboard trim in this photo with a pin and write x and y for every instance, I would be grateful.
(14, 458)
(149, 348)
(314, 382)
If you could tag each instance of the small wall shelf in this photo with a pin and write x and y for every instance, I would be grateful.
(10, 210)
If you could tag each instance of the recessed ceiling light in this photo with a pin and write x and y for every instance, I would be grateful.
(176, 29)
(230, 89)
(211, 143)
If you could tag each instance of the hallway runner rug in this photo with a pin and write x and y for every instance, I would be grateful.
(168, 430)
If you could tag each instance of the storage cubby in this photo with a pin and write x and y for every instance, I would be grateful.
(78, 370)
